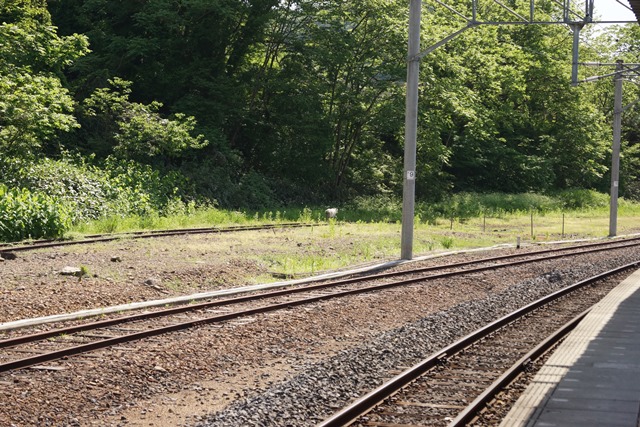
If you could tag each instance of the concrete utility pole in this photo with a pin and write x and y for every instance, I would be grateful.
(411, 130)
(615, 155)
(480, 16)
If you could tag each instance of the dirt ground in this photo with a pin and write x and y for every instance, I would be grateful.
(128, 270)
(124, 271)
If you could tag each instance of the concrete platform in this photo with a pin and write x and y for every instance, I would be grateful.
(593, 377)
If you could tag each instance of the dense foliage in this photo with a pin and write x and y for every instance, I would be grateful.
(244, 104)
(28, 215)
(34, 105)
(114, 187)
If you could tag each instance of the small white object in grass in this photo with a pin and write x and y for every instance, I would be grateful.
(331, 213)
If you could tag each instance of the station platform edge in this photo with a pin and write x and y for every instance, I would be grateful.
(593, 378)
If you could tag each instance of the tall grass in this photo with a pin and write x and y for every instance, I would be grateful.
(461, 206)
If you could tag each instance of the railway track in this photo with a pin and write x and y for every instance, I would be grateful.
(452, 386)
(96, 238)
(20, 350)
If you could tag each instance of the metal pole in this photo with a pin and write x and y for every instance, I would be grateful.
(531, 10)
(615, 155)
(588, 15)
(576, 43)
(411, 130)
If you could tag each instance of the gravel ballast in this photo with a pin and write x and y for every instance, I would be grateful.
(307, 399)
(292, 367)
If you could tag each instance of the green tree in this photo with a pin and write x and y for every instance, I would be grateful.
(606, 47)
(626, 46)
(304, 99)
(500, 115)
(34, 105)
(186, 55)
(183, 54)
(336, 91)
(136, 131)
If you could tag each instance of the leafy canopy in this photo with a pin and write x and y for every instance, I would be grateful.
(138, 131)
(34, 105)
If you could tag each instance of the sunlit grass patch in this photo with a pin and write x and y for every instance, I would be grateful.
(352, 240)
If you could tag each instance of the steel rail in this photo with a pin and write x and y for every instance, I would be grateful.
(167, 312)
(472, 410)
(206, 229)
(364, 404)
(108, 342)
(291, 291)
(510, 256)
(99, 238)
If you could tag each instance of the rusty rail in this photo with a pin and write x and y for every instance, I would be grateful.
(364, 404)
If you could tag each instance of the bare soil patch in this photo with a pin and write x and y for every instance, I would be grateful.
(139, 270)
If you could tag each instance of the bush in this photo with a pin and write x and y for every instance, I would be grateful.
(27, 215)
(252, 192)
(122, 188)
(87, 192)
(384, 208)
(144, 190)
(582, 199)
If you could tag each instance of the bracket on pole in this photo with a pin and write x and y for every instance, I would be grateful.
(575, 27)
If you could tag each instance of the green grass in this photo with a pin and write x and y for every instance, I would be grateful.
(366, 236)
(487, 227)
(458, 211)
(348, 244)
(174, 285)
(199, 217)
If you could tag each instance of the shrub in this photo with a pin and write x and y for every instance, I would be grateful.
(144, 189)
(122, 188)
(252, 192)
(582, 199)
(447, 242)
(78, 187)
(27, 215)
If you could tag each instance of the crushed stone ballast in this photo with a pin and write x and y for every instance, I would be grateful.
(185, 299)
